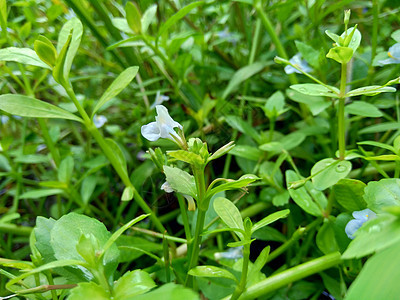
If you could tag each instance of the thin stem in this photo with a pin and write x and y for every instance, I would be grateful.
(341, 118)
(293, 274)
(185, 218)
(243, 279)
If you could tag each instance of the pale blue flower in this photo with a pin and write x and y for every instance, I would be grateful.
(159, 100)
(4, 119)
(394, 56)
(233, 253)
(360, 217)
(163, 127)
(300, 63)
(99, 121)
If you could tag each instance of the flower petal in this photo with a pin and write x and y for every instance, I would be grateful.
(163, 117)
(352, 227)
(363, 215)
(150, 131)
(167, 187)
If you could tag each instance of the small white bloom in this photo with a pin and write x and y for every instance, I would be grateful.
(300, 63)
(4, 119)
(163, 127)
(159, 99)
(167, 187)
(233, 253)
(99, 121)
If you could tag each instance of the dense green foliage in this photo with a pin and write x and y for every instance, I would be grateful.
(269, 171)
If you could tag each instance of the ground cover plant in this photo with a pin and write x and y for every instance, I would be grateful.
(199, 149)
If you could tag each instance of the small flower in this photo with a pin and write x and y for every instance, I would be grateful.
(298, 62)
(163, 127)
(4, 119)
(360, 217)
(394, 56)
(159, 100)
(99, 121)
(233, 253)
(168, 189)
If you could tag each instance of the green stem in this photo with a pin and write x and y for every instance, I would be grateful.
(14, 229)
(113, 160)
(293, 274)
(341, 118)
(185, 218)
(243, 279)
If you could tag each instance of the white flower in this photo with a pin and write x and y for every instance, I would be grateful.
(163, 127)
(159, 99)
(233, 253)
(168, 189)
(300, 63)
(99, 121)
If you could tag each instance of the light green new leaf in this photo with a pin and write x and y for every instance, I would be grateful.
(25, 106)
(122, 25)
(314, 89)
(75, 26)
(242, 75)
(231, 184)
(89, 290)
(22, 55)
(148, 17)
(179, 15)
(65, 169)
(127, 194)
(270, 219)
(371, 90)
(3, 14)
(211, 271)
(133, 17)
(365, 109)
(229, 214)
(186, 156)
(132, 284)
(116, 87)
(379, 278)
(181, 181)
(329, 171)
(341, 54)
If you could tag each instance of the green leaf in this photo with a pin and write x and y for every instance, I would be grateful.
(67, 232)
(349, 194)
(133, 17)
(3, 14)
(329, 171)
(240, 243)
(181, 181)
(242, 75)
(307, 197)
(186, 156)
(170, 291)
(314, 89)
(365, 109)
(317, 104)
(58, 70)
(238, 123)
(247, 152)
(87, 188)
(378, 144)
(311, 55)
(45, 50)
(229, 213)
(148, 17)
(116, 86)
(132, 284)
(41, 193)
(325, 239)
(333, 36)
(379, 277)
(211, 271)
(371, 90)
(75, 26)
(127, 194)
(222, 151)
(66, 169)
(261, 260)
(355, 39)
(275, 105)
(120, 231)
(270, 219)
(118, 154)
(22, 55)
(375, 235)
(122, 25)
(382, 193)
(341, 54)
(179, 15)
(89, 290)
